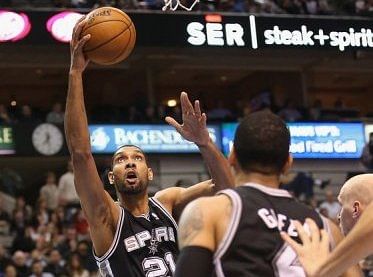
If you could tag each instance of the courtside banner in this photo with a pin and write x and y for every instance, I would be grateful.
(150, 138)
(159, 29)
(315, 140)
(7, 144)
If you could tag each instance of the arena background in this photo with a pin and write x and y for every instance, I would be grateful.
(309, 61)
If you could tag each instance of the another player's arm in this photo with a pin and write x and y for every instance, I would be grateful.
(98, 207)
(175, 199)
(195, 130)
(352, 270)
(198, 235)
(314, 252)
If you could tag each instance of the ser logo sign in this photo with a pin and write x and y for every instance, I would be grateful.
(213, 32)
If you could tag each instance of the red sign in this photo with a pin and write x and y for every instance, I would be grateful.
(13, 26)
(62, 24)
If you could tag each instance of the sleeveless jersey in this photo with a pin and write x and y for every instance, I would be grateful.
(142, 246)
(252, 245)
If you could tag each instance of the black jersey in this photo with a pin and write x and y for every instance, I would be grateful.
(252, 245)
(142, 246)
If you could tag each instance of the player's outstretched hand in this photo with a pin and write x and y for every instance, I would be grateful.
(315, 248)
(78, 61)
(193, 127)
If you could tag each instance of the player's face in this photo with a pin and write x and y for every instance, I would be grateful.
(346, 220)
(131, 173)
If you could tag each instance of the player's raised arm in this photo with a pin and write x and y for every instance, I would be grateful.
(194, 129)
(94, 200)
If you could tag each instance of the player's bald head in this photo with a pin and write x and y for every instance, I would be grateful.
(358, 188)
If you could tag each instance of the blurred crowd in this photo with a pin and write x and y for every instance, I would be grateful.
(50, 238)
(216, 112)
(309, 7)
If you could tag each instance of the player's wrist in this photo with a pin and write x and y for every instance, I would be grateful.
(75, 71)
(205, 143)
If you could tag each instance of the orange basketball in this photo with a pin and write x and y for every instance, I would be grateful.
(113, 35)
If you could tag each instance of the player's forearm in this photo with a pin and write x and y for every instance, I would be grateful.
(357, 245)
(76, 124)
(218, 166)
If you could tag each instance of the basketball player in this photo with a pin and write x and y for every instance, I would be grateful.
(138, 235)
(237, 232)
(356, 198)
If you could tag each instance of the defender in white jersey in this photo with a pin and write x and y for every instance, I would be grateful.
(137, 236)
(237, 232)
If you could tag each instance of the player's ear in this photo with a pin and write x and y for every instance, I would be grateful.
(356, 209)
(150, 174)
(288, 164)
(110, 176)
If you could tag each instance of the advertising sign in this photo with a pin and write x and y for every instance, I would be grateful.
(150, 138)
(315, 140)
(7, 145)
(13, 26)
(250, 32)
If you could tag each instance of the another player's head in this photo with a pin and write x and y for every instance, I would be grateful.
(261, 145)
(130, 173)
(355, 196)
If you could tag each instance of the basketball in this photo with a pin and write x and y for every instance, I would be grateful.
(113, 36)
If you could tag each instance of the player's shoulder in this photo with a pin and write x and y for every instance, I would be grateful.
(211, 206)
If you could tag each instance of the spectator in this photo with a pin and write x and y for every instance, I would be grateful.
(19, 261)
(69, 244)
(66, 190)
(81, 225)
(5, 220)
(289, 112)
(37, 270)
(316, 109)
(10, 271)
(56, 265)
(75, 267)
(4, 258)
(41, 215)
(331, 206)
(84, 252)
(50, 191)
(58, 219)
(5, 118)
(18, 222)
(23, 241)
(312, 7)
(22, 206)
(27, 116)
(57, 115)
(367, 155)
